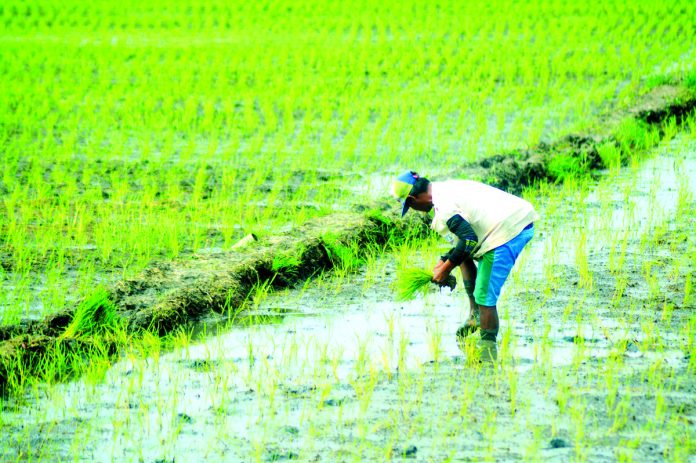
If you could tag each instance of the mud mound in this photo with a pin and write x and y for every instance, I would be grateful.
(662, 103)
(168, 295)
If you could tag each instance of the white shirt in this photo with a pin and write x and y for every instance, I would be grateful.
(496, 216)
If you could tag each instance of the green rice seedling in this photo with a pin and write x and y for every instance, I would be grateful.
(621, 413)
(95, 315)
(505, 353)
(610, 155)
(343, 257)
(586, 280)
(512, 378)
(688, 288)
(411, 281)
(566, 167)
(634, 135)
(364, 386)
(669, 129)
(532, 451)
(286, 263)
(150, 346)
(435, 340)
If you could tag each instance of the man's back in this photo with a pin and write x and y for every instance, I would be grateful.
(495, 216)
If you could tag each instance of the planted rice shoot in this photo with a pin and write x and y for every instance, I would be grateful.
(411, 281)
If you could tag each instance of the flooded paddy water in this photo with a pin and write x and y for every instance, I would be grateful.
(594, 356)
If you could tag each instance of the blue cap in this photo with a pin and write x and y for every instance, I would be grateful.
(402, 186)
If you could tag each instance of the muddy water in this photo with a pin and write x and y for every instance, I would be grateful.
(338, 371)
(624, 208)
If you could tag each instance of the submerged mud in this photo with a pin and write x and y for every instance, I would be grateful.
(169, 295)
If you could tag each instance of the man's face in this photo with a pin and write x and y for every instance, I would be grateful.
(420, 202)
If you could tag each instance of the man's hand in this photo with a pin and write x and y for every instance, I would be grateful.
(442, 271)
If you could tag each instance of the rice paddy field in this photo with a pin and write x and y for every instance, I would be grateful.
(140, 141)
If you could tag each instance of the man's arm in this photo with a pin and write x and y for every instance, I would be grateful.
(463, 250)
(467, 239)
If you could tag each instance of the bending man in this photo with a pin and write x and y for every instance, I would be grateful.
(485, 224)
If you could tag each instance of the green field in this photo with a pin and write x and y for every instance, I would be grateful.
(140, 130)
(136, 133)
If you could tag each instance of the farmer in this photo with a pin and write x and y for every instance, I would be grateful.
(485, 224)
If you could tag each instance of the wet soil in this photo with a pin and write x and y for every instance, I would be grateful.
(594, 360)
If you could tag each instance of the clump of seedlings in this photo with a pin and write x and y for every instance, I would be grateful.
(411, 281)
(96, 315)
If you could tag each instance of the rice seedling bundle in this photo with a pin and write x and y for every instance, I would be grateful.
(95, 315)
(410, 281)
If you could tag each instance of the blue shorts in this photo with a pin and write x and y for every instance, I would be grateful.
(495, 266)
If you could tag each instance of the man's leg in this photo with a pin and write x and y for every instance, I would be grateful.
(489, 322)
(493, 270)
(488, 286)
(468, 269)
(489, 280)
